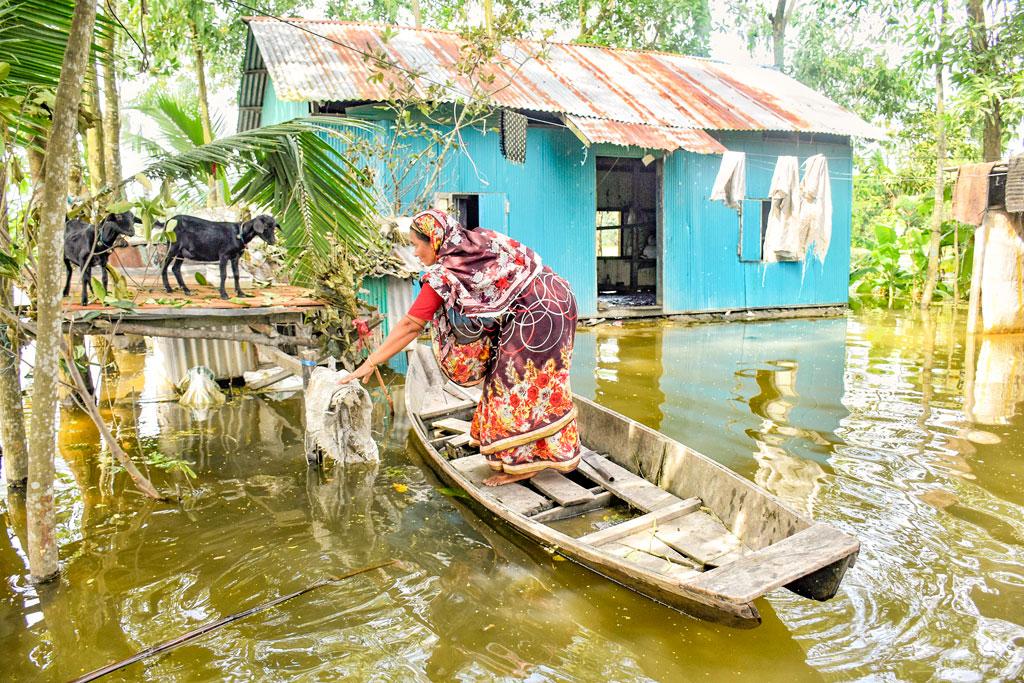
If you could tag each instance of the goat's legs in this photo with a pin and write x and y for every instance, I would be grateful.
(67, 283)
(86, 276)
(176, 269)
(103, 272)
(172, 252)
(234, 270)
(223, 276)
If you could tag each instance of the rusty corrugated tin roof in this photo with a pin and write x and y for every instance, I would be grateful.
(644, 135)
(656, 89)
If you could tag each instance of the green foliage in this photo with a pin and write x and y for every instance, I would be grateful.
(219, 26)
(671, 25)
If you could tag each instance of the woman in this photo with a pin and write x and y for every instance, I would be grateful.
(501, 317)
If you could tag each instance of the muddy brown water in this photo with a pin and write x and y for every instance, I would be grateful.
(873, 422)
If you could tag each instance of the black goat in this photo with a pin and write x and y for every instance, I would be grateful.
(198, 239)
(86, 247)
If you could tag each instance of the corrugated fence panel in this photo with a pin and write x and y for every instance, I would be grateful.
(226, 359)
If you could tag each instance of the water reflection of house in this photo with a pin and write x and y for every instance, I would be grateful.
(774, 422)
(793, 479)
(621, 151)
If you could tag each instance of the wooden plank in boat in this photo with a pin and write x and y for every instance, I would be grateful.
(644, 522)
(515, 497)
(703, 538)
(635, 490)
(562, 490)
(450, 424)
(779, 564)
(445, 407)
(653, 562)
(602, 499)
(648, 541)
(456, 440)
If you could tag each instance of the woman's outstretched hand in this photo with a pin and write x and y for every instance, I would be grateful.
(363, 372)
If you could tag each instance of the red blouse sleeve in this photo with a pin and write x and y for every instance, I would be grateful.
(426, 303)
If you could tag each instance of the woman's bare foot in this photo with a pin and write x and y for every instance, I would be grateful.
(502, 479)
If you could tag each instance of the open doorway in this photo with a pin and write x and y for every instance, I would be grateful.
(628, 239)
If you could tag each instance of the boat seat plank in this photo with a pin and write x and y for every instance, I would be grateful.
(648, 541)
(602, 499)
(779, 564)
(652, 561)
(703, 538)
(515, 497)
(562, 490)
(437, 406)
(450, 424)
(642, 523)
(635, 490)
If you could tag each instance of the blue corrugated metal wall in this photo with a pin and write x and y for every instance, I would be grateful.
(702, 270)
(549, 204)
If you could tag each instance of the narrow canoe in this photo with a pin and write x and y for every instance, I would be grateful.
(701, 538)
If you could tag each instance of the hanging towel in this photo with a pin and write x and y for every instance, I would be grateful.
(782, 236)
(1015, 184)
(513, 136)
(731, 182)
(816, 208)
(970, 196)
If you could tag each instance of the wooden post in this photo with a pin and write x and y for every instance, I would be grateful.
(974, 301)
(308, 360)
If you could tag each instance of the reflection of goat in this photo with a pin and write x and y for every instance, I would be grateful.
(198, 239)
(86, 247)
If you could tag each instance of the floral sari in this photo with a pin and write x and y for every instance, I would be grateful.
(509, 322)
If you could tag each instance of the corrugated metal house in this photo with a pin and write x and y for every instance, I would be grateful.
(622, 149)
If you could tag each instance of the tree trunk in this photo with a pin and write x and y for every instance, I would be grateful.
(12, 412)
(12, 415)
(992, 133)
(35, 162)
(489, 16)
(992, 137)
(213, 198)
(111, 113)
(94, 150)
(779, 33)
(42, 547)
(417, 14)
(940, 161)
(76, 174)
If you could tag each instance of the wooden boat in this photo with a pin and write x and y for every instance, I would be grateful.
(703, 539)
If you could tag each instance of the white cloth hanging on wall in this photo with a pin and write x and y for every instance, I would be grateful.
(816, 207)
(731, 182)
(782, 235)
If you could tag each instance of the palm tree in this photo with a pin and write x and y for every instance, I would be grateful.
(289, 170)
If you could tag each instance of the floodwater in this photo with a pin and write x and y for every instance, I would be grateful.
(878, 423)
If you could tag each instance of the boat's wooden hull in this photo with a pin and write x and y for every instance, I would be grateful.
(743, 615)
(783, 541)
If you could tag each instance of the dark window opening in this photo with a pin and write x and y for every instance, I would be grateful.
(766, 209)
(467, 210)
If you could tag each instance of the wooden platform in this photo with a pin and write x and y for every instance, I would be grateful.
(150, 302)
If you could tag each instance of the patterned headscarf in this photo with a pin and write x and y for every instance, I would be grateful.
(478, 272)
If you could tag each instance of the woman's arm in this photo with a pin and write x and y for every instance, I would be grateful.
(407, 329)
